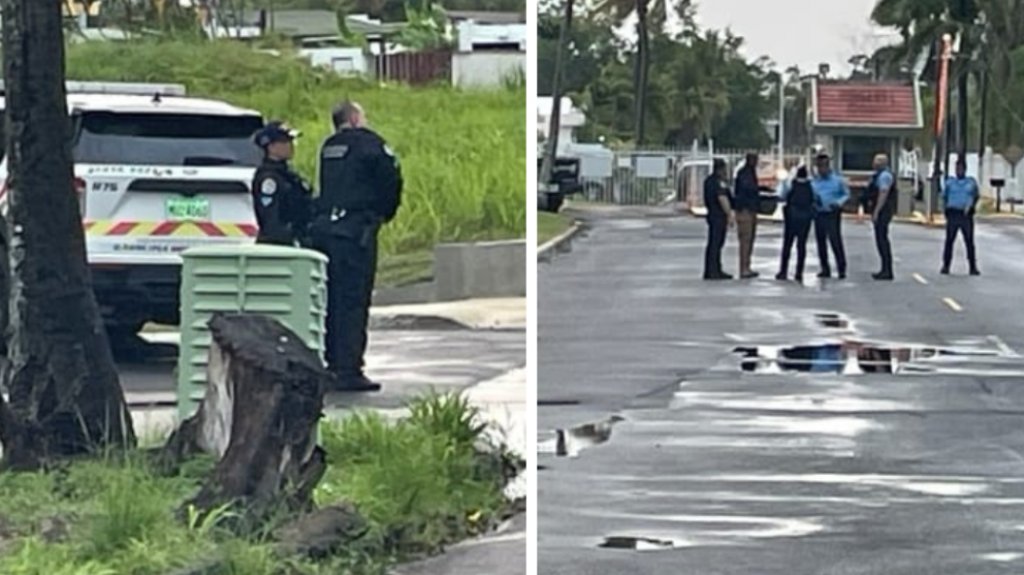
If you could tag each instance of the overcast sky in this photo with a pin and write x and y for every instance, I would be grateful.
(800, 32)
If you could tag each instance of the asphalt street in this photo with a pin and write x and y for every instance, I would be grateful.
(899, 453)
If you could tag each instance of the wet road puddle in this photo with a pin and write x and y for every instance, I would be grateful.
(851, 357)
(570, 442)
(832, 320)
(636, 543)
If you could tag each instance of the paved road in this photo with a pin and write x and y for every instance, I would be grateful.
(848, 469)
(407, 363)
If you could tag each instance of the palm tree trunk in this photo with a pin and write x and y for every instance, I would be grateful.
(555, 122)
(65, 397)
(642, 68)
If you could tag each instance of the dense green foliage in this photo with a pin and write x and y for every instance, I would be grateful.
(462, 152)
(992, 34)
(699, 86)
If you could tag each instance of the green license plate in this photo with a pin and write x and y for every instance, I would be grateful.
(179, 209)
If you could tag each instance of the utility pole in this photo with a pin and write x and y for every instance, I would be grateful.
(554, 122)
(942, 94)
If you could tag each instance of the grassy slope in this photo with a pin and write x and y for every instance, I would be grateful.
(462, 152)
(550, 226)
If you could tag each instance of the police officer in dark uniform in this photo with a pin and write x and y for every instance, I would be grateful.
(360, 189)
(282, 200)
(718, 202)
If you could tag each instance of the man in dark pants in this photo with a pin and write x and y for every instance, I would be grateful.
(881, 203)
(281, 198)
(718, 202)
(748, 196)
(830, 194)
(798, 214)
(960, 196)
(361, 187)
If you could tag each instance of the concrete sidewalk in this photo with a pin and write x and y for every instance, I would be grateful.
(497, 313)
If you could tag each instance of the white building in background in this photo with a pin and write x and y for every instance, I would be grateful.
(488, 54)
(571, 119)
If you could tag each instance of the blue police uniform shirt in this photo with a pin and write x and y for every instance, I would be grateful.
(884, 179)
(830, 192)
(960, 193)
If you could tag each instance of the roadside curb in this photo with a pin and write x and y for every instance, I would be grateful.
(412, 322)
(545, 251)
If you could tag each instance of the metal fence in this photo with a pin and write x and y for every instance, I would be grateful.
(664, 176)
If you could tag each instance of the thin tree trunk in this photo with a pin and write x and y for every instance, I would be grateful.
(983, 125)
(555, 122)
(962, 113)
(643, 45)
(65, 395)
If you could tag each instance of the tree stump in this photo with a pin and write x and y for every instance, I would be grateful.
(259, 417)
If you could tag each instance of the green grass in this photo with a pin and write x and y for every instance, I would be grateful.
(463, 152)
(550, 226)
(418, 482)
(406, 269)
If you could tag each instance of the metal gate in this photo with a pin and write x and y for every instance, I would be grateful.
(660, 177)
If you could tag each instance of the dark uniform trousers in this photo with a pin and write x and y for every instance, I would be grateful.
(959, 222)
(828, 231)
(717, 228)
(796, 229)
(882, 239)
(351, 272)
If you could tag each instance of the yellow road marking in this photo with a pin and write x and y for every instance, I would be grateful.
(952, 304)
(920, 279)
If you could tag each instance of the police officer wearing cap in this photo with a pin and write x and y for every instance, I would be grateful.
(360, 189)
(282, 200)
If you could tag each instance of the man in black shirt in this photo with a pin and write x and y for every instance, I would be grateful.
(718, 202)
(747, 200)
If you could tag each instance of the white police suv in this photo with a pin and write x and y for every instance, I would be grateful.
(156, 172)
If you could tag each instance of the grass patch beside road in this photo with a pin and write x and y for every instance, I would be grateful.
(419, 483)
(462, 151)
(405, 269)
(550, 226)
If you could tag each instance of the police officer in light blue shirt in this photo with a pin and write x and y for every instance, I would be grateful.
(830, 195)
(960, 195)
(881, 203)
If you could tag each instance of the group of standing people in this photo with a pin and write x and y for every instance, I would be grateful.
(819, 200)
(360, 189)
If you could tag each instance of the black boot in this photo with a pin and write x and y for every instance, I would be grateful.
(352, 383)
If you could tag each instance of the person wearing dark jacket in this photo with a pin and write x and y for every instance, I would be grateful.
(748, 196)
(361, 188)
(281, 198)
(718, 202)
(798, 215)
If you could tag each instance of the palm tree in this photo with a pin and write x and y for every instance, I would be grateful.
(648, 13)
(995, 27)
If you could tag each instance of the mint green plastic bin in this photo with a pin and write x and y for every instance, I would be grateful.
(287, 284)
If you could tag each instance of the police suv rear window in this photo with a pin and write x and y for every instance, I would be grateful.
(166, 139)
